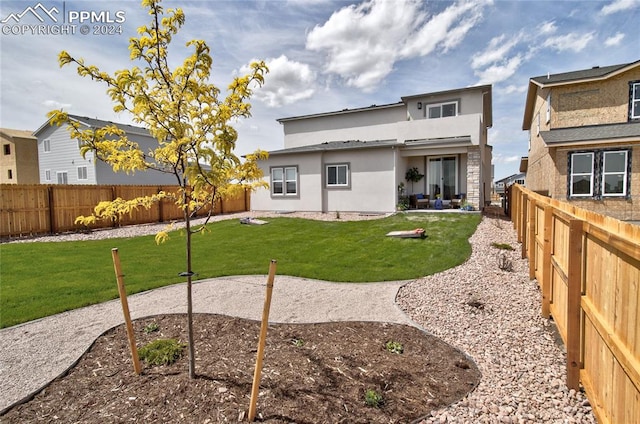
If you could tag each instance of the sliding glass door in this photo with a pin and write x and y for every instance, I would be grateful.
(442, 177)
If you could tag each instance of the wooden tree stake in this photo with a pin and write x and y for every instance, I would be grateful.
(261, 343)
(125, 311)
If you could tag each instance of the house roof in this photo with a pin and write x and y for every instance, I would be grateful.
(341, 112)
(11, 133)
(591, 133)
(98, 123)
(512, 177)
(405, 99)
(596, 73)
(337, 145)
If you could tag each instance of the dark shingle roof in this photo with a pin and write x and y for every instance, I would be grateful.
(99, 123)
(337, 145)
(592, 133)
(595, 72)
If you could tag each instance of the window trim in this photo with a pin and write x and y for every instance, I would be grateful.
(598, 174)
(47, 175)
(440, 105)
(6, 148)
(46, 145)
(592, 174)
(548, 107)
(346, 165)
(634, 97)
(284, 181)
(624, 172)
(82, 175)
(58, 173)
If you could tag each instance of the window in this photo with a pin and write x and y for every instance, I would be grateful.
(582, 174)
(46, 145)
(634, 100)
(82, 172)
(47, 175)
(10, 174)
(62, 177)
(548, 107)
(614, 173)
(442, 110)
(338, 175)
(600, 173)
(7, 149)
(284, 181)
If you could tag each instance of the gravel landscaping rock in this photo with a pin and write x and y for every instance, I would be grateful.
(491, 314)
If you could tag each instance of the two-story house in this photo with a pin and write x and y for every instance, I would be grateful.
(357, 159)
(584, 138)
(61, 162)
(19, 157)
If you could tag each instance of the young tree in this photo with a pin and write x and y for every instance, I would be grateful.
(183, 112)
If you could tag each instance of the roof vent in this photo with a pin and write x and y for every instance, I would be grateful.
(595, 67)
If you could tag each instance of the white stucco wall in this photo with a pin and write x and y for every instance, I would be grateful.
(372, 185)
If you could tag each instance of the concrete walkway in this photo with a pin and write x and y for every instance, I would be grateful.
(36, 352)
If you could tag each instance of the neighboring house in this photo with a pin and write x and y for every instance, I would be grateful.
(61, 161)
(19, 157)
(584, 138)
(503, 184)
(356, 159)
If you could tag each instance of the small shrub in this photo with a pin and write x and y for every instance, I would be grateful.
(162, 351)
(504, 263)
(373, 398)
(394, 347)
(502, 246)
(297, 342)
(151, 327)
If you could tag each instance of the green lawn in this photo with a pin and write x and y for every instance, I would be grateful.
(41, 279)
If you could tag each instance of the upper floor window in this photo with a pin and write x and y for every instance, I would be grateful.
(442, 110)
(338, 175)
(284, 181)
(46, 145)
(7, 149)
(634, 100)
(600, 173)
(548, 107)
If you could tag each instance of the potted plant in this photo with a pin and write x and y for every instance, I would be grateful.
(413, 175)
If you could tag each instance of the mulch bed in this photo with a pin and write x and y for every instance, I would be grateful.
(311, 373)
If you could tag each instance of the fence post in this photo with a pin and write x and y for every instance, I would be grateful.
(546, 261)
(522, 230)
(52, 215)
(532, 245)
(574, 296)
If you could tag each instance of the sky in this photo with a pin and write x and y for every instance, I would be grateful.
(323, 55)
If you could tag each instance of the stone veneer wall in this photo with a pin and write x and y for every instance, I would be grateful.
(473, 177)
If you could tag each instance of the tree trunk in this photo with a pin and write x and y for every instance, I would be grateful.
(189, 274)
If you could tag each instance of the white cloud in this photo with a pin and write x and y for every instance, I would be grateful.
(615, 40)
(496, 51)
(53, 104)
(548, 28)
(572, 41)
(499, 158)
(499, 72)
(364, 42)
(287, 82)
(619, 6)
(515, 89)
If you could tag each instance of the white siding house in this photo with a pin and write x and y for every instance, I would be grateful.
(60, 161)
(356, 160)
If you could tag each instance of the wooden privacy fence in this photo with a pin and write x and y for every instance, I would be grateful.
(49, 209)
(588, 268)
